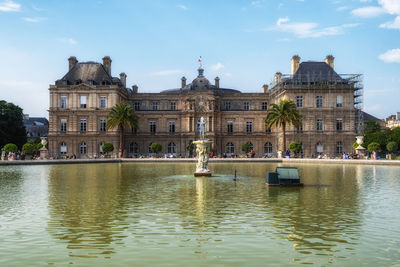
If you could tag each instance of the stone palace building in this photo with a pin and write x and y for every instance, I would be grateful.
(330, 105)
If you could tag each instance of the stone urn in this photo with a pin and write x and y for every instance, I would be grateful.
(44, 153)
(360, 149)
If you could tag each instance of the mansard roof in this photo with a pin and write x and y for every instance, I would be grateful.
(314, 72)
(88, 72)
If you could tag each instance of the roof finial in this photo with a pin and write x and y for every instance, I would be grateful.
(200, 59)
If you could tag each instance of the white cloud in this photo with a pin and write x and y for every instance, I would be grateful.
(217, 66)
(368, 11)
(342, 8)
(392, 7)
(183, 7)
(365, 1)
(10, 6)
(166, 72)
(392, 24)
(69, 41)
(308, 29)
(257, 3)
(34, 20)
(391, 56)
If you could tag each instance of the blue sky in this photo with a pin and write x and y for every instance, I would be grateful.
(157, 42)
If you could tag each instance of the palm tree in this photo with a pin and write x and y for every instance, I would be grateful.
(121, 116)
(282, 114)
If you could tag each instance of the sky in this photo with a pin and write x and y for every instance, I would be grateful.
(156, 42)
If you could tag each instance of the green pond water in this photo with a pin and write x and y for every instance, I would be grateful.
(158, 214)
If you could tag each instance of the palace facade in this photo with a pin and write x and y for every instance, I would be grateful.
(330, 105)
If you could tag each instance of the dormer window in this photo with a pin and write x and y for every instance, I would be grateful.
(78, 81)
(90, 82)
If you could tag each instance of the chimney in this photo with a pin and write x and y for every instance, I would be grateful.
(107, 64)
(265, 88)
(295, 63)
(217, 82)
(135, 89)
(72, 62)
(122, 77)
(278, 77)
(183, 82)
(330, 60)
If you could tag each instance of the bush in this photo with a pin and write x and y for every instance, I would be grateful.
(10, 148)
(295, 147)
(29, 148)
(355, 145)
(391, 146)
(107, 147)
(155, 147)
(374, 147)
(247, 147)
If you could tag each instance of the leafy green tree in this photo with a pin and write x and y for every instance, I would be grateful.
(282, 115)
(376, 137)
(29, 148)
(155, 147)
(374, 147)
(10, 148)
(296, 147)
(247, 147)
(371, 127)
(394, 135)
(122, 116)
(392, 147)
(12, 129)
(107, 148)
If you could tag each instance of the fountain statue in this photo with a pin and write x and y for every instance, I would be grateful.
(44, 153)
(202, 150)
(360, 149)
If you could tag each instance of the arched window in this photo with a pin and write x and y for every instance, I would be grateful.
(101, 147)
(339, 147)
(268, 148)
(133, 148)
(171, 148)
(230, 147)
(63, 148)
(320, 147)
(82, 148)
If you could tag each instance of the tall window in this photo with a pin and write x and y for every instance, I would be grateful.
(63, 148)
(153, 127)
(339, 125)
(299, 101)
(339, 147)
(103, 102)
(230, 148)
(339, 101)
(82, 148)
(83, 101)
(227, 105)
(267, 148)
(299, 129)
(249, 126)
(63, 125)
(173, 105)
(171, 148)
(63, 99)
(320, 147)
(210, 122)
(137, 106)
(83, 125)
(133, 148)
(230, 127)
(319, 101)
(102, 125)
(171, 126)
(267, 129)
(155, 105)
(150, 148)
(320, 125)
(246, 106)
(264, 105)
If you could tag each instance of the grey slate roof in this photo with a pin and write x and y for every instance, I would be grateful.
(86, 72)
(35, 121)
(314, 72)
(369, 117)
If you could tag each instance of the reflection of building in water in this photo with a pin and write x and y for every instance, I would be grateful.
(321, 217)
(201, 190)
(86, 208)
